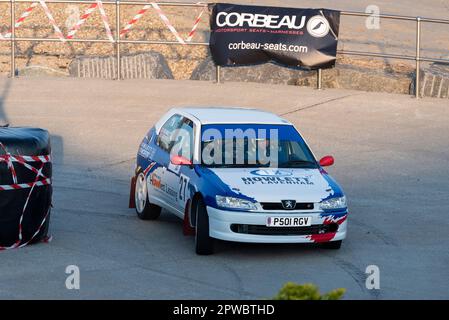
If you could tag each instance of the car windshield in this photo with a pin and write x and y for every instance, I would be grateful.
(255, 145)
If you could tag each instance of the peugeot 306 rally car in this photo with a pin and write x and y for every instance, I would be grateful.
(240, 175)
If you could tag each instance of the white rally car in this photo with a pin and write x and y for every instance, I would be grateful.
(238, 175)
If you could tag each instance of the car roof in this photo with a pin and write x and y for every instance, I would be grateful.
(221, 115)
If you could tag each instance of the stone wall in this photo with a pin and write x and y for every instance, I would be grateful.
(149, 65)
(153, 65)
(342, 76)
(434, 81)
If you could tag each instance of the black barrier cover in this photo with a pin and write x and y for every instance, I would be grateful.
(244, 35)
(23, 142)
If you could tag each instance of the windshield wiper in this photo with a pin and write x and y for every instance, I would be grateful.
(236, 166)
(300, 163)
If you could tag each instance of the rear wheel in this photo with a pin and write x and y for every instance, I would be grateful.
(145, 210)
(204, 244)
(335, 245)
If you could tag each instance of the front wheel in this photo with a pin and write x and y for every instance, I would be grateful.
(145, 210)
(204, 244)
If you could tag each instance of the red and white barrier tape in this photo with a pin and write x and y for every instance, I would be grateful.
(5, 187)
(27, 201)
(195, 25)
(136, 18)
(81, 21)
(47, 11)
(29, 167)
(167, 22)
(86, 15)
(22, 18)
(9, 159)
(47, 239)
(27, 158)
(26, 14)
(104, 18)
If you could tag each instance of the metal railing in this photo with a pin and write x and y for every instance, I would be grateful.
(117, 39)
(417, 57)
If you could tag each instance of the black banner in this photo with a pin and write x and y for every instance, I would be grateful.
(244, 35)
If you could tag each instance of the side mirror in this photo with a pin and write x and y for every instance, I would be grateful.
(180, 160)
(327, 161)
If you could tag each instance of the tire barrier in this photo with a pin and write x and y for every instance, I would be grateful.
(25, 186)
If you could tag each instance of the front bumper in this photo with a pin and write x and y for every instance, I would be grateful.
(220, 222)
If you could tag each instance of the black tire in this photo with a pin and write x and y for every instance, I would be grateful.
(334, 245)
(204, 244)
(43, 233)
(145, 210)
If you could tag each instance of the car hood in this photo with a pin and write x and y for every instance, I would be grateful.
(274, 185)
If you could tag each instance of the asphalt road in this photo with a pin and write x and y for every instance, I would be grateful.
(392, 159)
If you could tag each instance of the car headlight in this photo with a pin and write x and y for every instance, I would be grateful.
(235, 203)
(334, 203)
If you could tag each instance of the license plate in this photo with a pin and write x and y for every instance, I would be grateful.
(289, 221)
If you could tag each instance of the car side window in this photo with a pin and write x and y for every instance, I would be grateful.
(165, 138)
(183, 140)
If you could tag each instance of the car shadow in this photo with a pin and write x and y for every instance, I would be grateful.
(174, 225)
